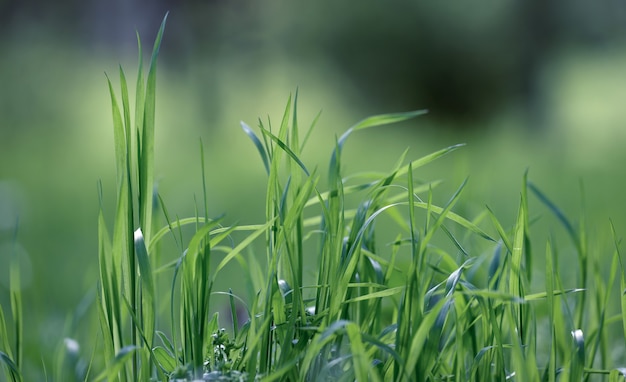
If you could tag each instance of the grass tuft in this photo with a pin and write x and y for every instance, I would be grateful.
(366, 278)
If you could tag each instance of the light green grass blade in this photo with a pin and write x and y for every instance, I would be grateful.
(140, 99)
(515, 273)
(380, 294)
(442, 216)
(417, 163)
(378, 120)
(552, 360)
(360, 360)
(164, 359)
(622, 278)
(121, 359)
(243, 245)
(449, 215)
(119, 137)
(503, 235)
(381, 120)
(4, 335)
(617, 375)
(146, 165)
(148, 292)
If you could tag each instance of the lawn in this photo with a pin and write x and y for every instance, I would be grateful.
(347, 257)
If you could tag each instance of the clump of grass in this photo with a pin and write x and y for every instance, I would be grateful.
(403, 289)
(11, 355)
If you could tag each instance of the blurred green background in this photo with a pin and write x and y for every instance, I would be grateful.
(526, 84)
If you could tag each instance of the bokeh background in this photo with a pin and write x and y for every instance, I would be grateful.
(526, 84)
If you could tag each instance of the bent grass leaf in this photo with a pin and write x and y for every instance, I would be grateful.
(14, 370)
(259, 146)
(243, 245)
(121, 359)
(165, 359)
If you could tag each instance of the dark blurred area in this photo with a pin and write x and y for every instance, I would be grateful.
(461, 61)
(526, 84)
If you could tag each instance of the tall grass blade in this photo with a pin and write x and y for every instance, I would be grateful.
(146, 164)
(552, 360)
(15, 291)
(622, 278)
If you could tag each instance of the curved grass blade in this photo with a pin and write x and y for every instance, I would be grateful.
(121, 358)
(556, 211)
(578, 356)
(14, 370)
(164, 359)
(377, 120)
(285, 148)
(259, 146)
(241, 246)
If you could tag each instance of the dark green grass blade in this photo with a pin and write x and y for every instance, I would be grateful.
(556, 211)
(15, 291)
(14, 371)
(310, 130)
(420, 337)
(257, 143)
(285, 148)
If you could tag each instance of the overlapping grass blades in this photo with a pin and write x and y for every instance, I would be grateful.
(11, 355)
(401, 289)
(125, 270)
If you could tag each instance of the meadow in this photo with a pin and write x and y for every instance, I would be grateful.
(358, 260)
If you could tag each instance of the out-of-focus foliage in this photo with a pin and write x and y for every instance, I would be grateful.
(526, 84)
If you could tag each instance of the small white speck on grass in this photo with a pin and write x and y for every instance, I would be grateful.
(71, 345)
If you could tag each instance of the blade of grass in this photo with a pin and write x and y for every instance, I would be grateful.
(15, 291)
(146, 164)
(121, 359)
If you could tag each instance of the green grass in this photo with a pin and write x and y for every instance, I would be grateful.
(350, 277)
